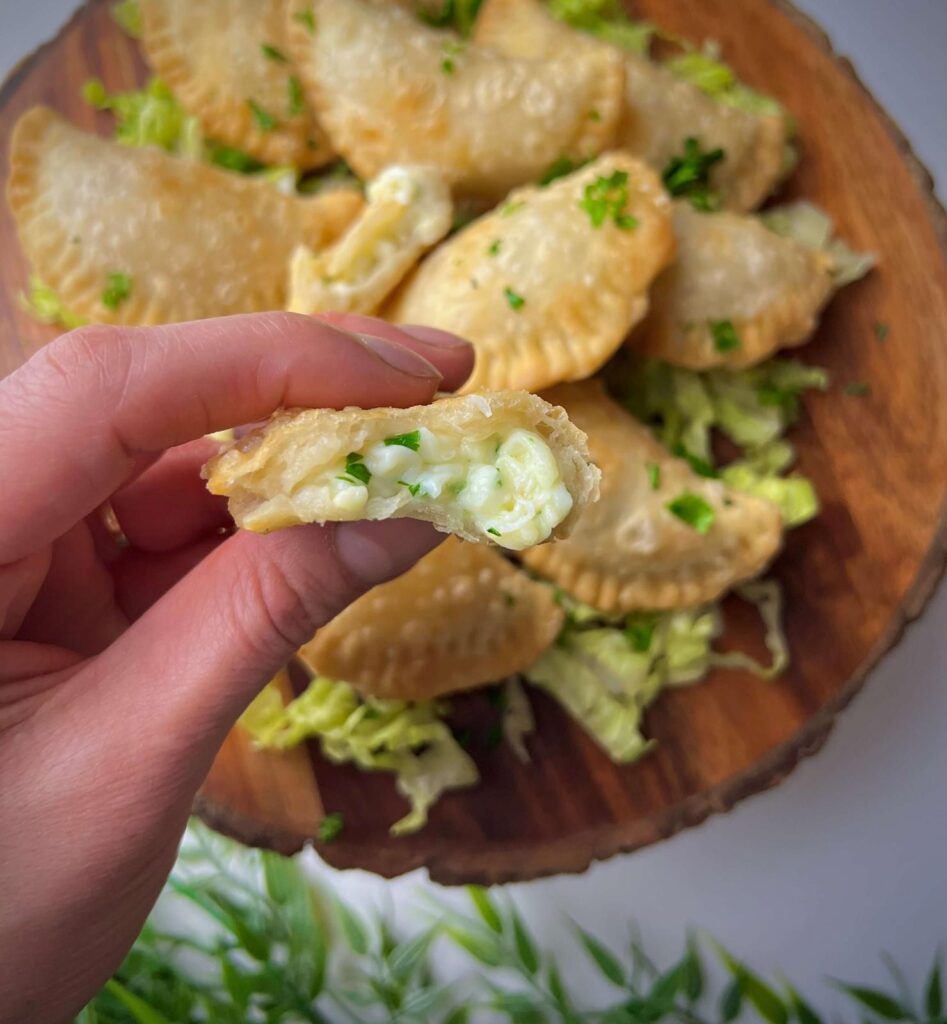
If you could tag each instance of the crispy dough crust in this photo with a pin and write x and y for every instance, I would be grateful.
(629, 552)
(731, 267)
(268, 463)
(196, 241)
(584, 287)
(462, 617)
(209, 54)
(377, 80)
(659, 110)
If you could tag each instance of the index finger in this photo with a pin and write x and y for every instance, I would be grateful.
(86, 412)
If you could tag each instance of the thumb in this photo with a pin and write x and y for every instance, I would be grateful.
(190, 665)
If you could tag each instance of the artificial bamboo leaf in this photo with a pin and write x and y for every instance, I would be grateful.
(602, 957)
(802, 1011)
(459, 1015)
(731, 1002)
(693, 980)
(880, 1003)
(481, 946)
(352, 928)
(141, 1012)
(485, 907)
(525, 947)
(405, 958)
(933, 992)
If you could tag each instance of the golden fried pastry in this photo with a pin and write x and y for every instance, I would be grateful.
(389, 90)
(736, 294)
(408, 210)
(227, 62)
(548, 285)
(137, 236)
(502, 467)
(660, 110)
(462, 617)
(660, 536)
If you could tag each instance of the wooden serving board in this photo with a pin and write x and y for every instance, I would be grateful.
(853, 578)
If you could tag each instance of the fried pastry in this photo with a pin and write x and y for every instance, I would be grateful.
(227, 62)
(462, 617)
(408, 210)
(503, 467)
(660, 536)
(736, 293)
(388, 90)
(137, 236)
(660, 111)
(548, 285)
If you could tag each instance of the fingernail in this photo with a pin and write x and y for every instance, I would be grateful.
(375, 552)
(433, 336)
(400, 358)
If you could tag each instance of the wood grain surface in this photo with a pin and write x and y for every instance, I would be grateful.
(853, 578)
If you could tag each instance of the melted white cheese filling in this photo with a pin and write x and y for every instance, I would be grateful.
(508, 485)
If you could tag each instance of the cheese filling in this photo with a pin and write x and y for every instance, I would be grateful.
(508, 485)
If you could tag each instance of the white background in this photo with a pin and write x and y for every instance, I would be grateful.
(849, 855)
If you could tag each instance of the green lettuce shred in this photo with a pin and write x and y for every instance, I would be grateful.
(705, 69)
(767, 596)
(518, 721)
(607, 20)
(409, 739)
(127, 15)
(43, 303)
(813, 227)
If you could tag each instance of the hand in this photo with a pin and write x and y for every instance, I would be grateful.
(121, 670)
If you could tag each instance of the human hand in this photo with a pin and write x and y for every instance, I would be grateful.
(121, 670)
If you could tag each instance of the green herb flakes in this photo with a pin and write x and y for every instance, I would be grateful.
(559, 169)
(272, 53)
(448, 66)
(606, 198)
(414, 489)
(509, 208)
(493, 249)
(493, 532)
(265, 121)
(295, 102)
(331, 827)
(857, 389)
(232, 159)
(411, 440)
(355, 467)
(595, 116)
(307, 18)
(688, 176)
(654, 475)
(693, 510)
(117, 290)
(639, 632)
(516, 302)
(725, 335)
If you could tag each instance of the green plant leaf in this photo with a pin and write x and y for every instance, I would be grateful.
(933, 991)
(239, 987)
(420, 1004)
(558, 992)
(802, 1011)
(141, 1012)
(485, 907)
(525, 947)
(731, 1002)
(352, 928)
(481, 946)
(765, 1000)
(602, 957)
(693, 972)
(459, 1015)
(520, 1007)
(408, 956)
(280, 875)
(880, 1003)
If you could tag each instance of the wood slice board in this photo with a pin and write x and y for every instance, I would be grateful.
(853, 578)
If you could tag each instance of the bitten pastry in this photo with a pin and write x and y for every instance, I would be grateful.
(389, 89)
(660, 536)
(548, 285)
(462, 617)
(408, 210)
(660, 110)
(736, 293)
(503, 467)
(227, 62)
(184, 239)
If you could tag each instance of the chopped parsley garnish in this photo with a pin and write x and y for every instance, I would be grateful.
(699, 465)
(559, 169)
(692, 509)
(725, 335)
(508, 209)
(330, 827)
(412, 440)
(307, 18)
(495, 533)
(607, 197)
(639, 632)
(654, 475)
(689, 175)
(857, 389)
(448, 66)
(117, 290)
(295, 104)
(881, 330)
(493, 248)
(232, 159)
(272, 53)
(265, 121)
(414, 489)
(516, 302)
(355, 467)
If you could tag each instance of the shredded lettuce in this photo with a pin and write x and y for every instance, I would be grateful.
(705, 69)
(518, 721)
(767, 596)
(607, 20)
(409, 739)
(811, 226)
(44, 304)
(127, 14)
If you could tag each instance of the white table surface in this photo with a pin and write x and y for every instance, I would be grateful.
(848, 856)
